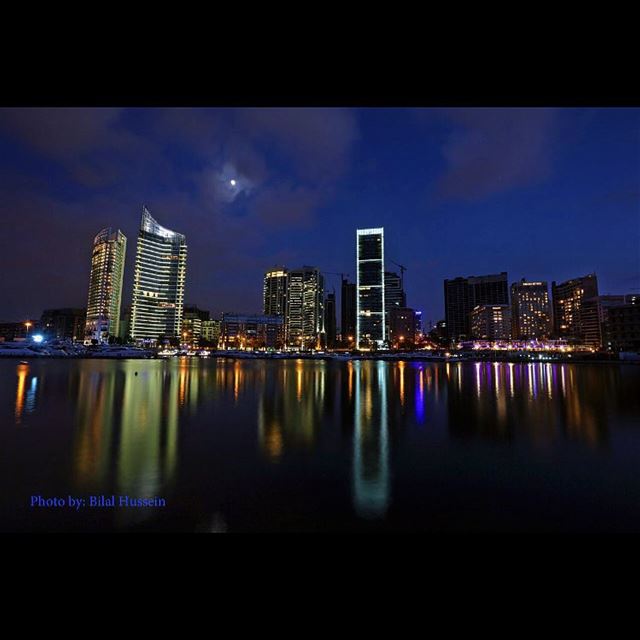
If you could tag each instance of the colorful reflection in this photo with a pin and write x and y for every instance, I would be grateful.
(371, 481)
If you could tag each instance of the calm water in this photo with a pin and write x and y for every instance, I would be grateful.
(313, 446)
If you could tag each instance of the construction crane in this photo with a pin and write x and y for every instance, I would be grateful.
(402, 270)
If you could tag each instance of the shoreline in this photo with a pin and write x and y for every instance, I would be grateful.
(524, 359)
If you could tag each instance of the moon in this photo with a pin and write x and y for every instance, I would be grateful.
(233, 182)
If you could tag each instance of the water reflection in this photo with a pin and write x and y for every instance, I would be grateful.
(130, 418)
(371, 490)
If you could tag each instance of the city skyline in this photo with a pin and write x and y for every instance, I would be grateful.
(291, 187)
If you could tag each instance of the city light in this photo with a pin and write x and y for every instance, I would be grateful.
(38, 338)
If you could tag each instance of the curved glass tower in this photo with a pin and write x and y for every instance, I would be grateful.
(105, 285)
(158, 281)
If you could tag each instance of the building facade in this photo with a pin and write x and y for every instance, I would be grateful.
(462, 295)
(348, 313)
(622, 329)
(211, 332)
(105, 286)
(305, 308)
(370, 290)
(394, 296)
(251, 331)
(567, 305)
(530, 310)
(594, 315)
(402, 327)
(491, 322)
(159, 281)
(330, 320)
(274, 293)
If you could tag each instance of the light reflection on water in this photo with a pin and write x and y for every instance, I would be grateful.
(130, 417)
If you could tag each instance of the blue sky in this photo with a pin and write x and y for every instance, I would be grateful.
(540, 193)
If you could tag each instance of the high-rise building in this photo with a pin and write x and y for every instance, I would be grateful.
(370, 295)
(491, 322)
(462, 295)
(192, 321)
(530, 310)
(594, 315)
(330, 320)
(348, 313)
(275, 292)
(394, 296)
(622, 329)
(305, 308)
(63, 324)
(158, 283)
(105, 286)
(567, 304)
(402, 326)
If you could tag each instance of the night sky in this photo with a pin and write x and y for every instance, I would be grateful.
(540, 193)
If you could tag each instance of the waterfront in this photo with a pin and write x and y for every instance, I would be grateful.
(302, 445)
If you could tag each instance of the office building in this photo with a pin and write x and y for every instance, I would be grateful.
(275, 292)
(105, 286)
(63, 324)
(491, 322)
(530, 310)
(348, 313)
(394, 295)
(462, 295)
(567, 300)
(622, 328)
(370, 295)
(330, 320)
(211, 332)
(251, 331)
(594, 315)
(402, 327)
(305, 308)
(158, 283)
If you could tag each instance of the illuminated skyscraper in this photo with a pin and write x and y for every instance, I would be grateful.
(275, 292)
(305, 307)
(530, 310)
(370, 298)
(567, 305)
(105, 285)
(158, 284)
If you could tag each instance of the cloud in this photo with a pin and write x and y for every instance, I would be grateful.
(285, 206)
(318, 140)
(92, 144)
(492, 151)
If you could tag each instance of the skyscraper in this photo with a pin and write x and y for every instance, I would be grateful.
(275, 292)
(462, 295)
(105, 285)
(305, 307)
(348, 312)
(394, 296)
(370, 298)
(567, 305)
(530, 310)
(330, 320)
(158, 283)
